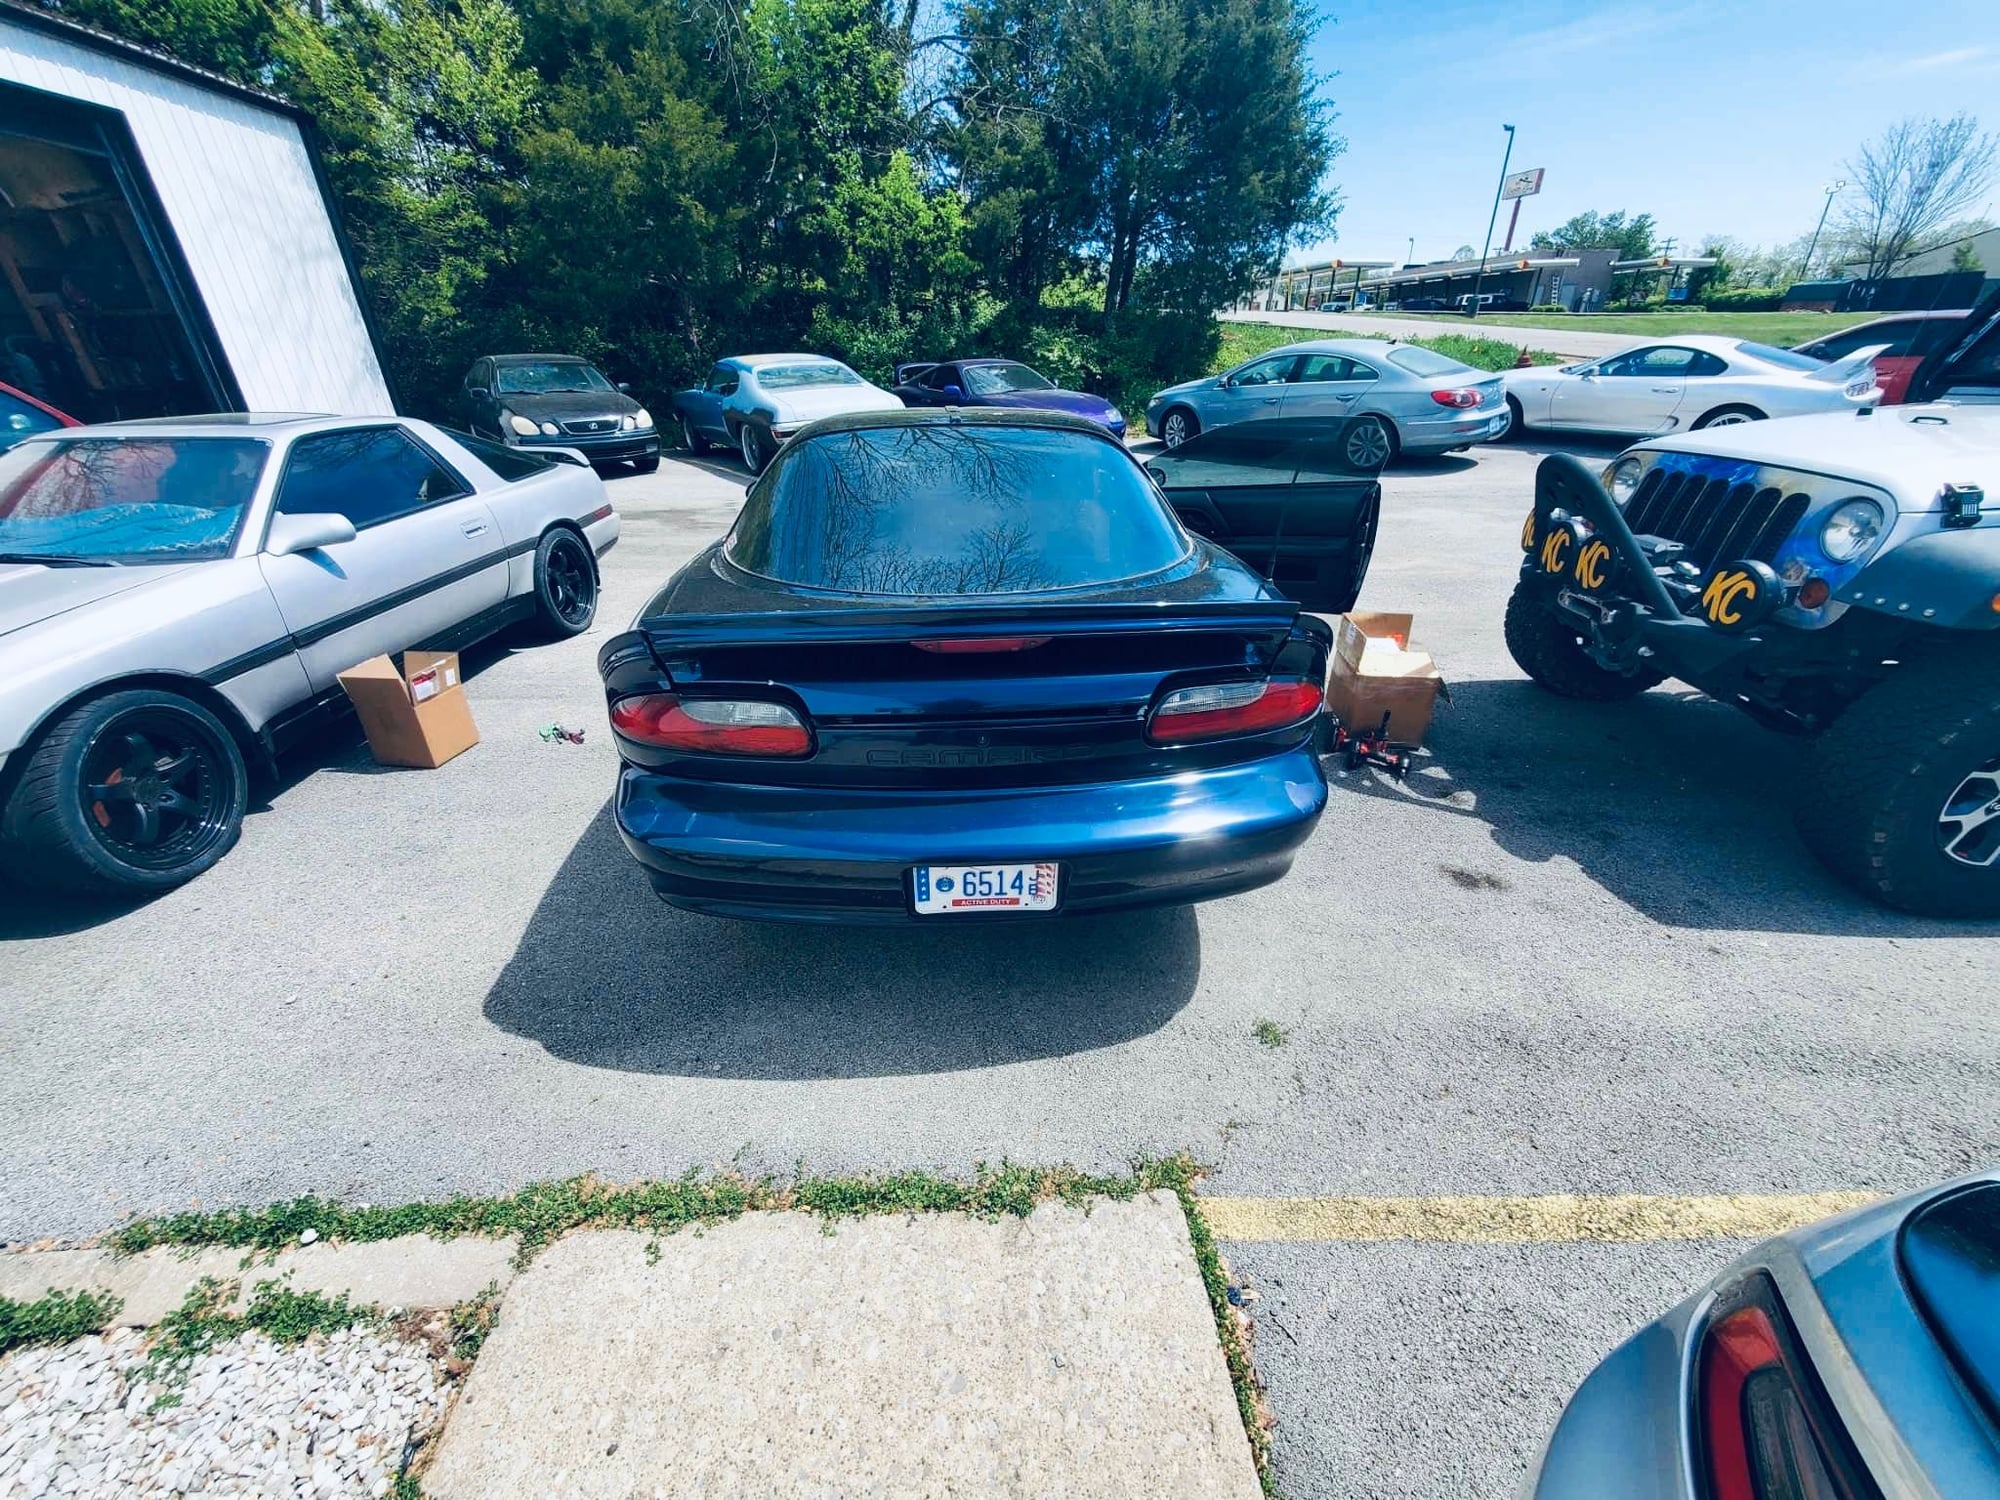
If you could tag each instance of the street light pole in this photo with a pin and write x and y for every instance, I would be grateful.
(1472, 308)
(1833, 190)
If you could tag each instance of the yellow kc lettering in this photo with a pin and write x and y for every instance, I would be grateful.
(1554, 547)
(1590, 564)
(1720, 598)
(1528, 532)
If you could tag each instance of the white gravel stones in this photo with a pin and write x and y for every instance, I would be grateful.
(329, 1417)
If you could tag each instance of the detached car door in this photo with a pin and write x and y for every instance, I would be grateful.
(704, 407)
(426, 553)
(1281, 497)
(1636, 392)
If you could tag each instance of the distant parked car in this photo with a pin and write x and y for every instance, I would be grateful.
(178, 596)
(1423, 304)
(1853, 1359)
(1415, 400)
(964, 667)
(998, 382)
(1906, 340)
(22, 416)
(755, 402)
(1695, 381)
(558, 400)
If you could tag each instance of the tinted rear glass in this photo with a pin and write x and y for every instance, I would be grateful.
(800, 377)
(1427, 363)
(952, 510)
(1786, 359)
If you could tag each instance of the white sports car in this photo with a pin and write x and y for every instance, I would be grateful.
(178, 596)
(755, 402)
(1692, 381)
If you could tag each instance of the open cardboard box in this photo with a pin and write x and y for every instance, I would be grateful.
(414, 717)
(1375, 671)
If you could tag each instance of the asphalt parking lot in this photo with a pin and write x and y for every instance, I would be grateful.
(1579, 951)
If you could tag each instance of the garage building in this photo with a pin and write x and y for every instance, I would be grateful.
(167, 240)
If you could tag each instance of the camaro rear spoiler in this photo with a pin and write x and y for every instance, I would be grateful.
(940, 622)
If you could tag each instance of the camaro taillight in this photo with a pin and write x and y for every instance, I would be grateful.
(714, 726)
(1456, 400)
(1767, 1430)
(1224, 708)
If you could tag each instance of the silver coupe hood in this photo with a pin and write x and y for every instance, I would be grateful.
(31, 593)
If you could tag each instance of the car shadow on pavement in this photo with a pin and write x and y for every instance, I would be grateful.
(608, 975)
(1677, 805)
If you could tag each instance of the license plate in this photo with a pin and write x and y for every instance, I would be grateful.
(966, 888)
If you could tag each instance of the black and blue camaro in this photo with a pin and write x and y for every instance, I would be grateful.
(972, 664)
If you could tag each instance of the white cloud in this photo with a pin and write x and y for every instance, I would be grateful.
(1932, 62)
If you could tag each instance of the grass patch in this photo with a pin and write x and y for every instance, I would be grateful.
(1241, 341)
(203, 1322)
(1270, 1033)
(54, 1317)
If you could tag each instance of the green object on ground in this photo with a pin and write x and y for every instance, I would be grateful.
(54, 1318)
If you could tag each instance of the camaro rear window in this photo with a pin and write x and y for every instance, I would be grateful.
(798, 377)
(943, 510)
(128, 499)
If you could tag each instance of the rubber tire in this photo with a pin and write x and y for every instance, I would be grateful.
(549, 622)
(1388, 431)
(749, 441)
(1707, 418)
(42, 828)
(1553, 655)
(1878, 777)
(1193, 425)
(1517, 423)
(695, 441)
(647, 465)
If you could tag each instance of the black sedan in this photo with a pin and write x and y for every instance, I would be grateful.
(968, 665)
(558, 401)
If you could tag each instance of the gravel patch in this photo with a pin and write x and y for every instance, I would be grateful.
(328, 1417)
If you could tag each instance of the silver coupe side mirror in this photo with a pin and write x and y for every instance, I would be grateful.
(307, 533)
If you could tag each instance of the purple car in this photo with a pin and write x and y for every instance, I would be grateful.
(998, 382)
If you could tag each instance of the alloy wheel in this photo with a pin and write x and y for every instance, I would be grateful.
(752, 452)
(1968, 826)
(1728, 419)
(156, 789)
(1174, 430)
(572, 588)
(1367, 444)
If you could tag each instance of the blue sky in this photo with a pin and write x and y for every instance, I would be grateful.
(1717, 118)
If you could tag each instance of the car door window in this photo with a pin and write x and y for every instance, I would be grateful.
(1319, 369)
(1655, 362)
(19, 420)
(937, 379)
(367, 474)
(722, 381)
(1267, 371)
(1702, 363)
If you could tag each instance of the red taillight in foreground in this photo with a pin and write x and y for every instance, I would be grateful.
(1456, 400)
(1766, 1432)
(982, 645)
(1225, 708)
(715, 726)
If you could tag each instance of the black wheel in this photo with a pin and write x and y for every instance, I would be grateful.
(647, 464)
(1549, 649)
(696, 443)
(129, 794)
(1369, 445)
(1902, 796)
(1728, 416)
(1177, 425)
(751, 442)
(1517, 423)
(565, 584)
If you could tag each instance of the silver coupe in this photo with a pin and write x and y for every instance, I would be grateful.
(1685, 383)
(1407, 399)
(178, 596)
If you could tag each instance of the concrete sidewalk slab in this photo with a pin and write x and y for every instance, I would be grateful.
(1068, 1354)
(411, 1271)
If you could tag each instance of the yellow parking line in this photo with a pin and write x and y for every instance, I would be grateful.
(1617, 1218)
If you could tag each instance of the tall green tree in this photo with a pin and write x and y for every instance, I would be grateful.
(1630, 235)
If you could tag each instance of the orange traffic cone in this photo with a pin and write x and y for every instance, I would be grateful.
(1524, 363)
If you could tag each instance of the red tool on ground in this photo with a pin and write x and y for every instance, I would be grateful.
(1369, 747)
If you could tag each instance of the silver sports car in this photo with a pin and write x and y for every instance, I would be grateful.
(1856, 1359)
(178, 596)
(755, 402)
(1692, 381)
(1414, 400)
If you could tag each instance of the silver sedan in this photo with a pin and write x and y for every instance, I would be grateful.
(1689, 382)
(178, 598)
(1413, 400)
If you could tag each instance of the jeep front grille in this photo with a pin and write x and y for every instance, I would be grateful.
(1716, 521)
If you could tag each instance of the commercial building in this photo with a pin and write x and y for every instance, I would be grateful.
(167, 241)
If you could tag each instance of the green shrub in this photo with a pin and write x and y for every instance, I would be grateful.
(54, 1318)
(1744, 299)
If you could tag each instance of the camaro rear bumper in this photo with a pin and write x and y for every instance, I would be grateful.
(845, 854)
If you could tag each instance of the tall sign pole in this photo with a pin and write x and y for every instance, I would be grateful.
(1479, 277)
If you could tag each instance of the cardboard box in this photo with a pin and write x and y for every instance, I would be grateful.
(415, 717)
(1375, 671)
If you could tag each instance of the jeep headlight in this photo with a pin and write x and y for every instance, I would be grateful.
(1621, 480)
(1850, 529)
(523, 425)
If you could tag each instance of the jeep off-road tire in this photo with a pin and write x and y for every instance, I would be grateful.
(126, 795)
(1545, 647)
(1882, 779)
